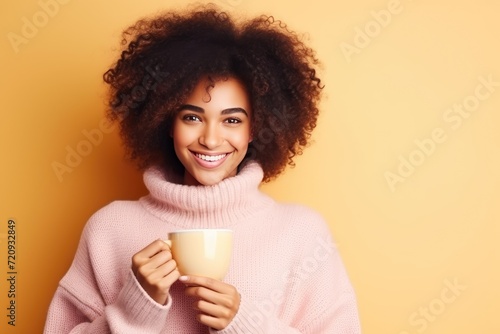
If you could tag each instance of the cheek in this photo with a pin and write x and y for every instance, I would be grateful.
(242, 140)
(181, 136)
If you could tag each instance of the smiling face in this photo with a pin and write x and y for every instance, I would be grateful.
(211, 131)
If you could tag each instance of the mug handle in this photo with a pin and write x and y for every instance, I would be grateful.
(168, 242)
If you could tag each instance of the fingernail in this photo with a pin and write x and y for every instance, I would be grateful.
(183, 278)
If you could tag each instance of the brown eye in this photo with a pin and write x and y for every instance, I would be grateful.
(191, 118)
(233, 120)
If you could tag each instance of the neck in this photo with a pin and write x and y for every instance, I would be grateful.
(221, 205)
(189, 180)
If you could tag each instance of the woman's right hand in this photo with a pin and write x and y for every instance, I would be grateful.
(155, 270)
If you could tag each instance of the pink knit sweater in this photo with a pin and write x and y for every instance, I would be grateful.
(284, 264)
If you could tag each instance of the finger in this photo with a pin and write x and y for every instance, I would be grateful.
(203, 293)
(213, 310)
(167, 281)
(213, 322)
(158, 259)
(158, 273)
(160, 281)
(152, 265)
(152, 249)
(144, 256)
(207, 282)
(228, 302)
(161, 271)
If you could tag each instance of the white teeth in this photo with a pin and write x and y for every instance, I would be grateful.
(210, 157)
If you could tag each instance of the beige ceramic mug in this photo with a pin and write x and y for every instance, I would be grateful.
(202, 252)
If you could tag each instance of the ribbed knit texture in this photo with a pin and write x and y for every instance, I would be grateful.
(284, 264)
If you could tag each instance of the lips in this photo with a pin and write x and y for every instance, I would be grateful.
(210, 161)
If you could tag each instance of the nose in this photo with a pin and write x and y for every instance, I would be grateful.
(211, 137)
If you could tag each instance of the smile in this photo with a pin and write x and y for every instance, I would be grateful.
(210, 158)
(210, 161)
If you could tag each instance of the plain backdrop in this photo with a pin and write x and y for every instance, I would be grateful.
(404, 164)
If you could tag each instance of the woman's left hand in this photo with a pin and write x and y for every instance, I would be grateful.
(218, 302)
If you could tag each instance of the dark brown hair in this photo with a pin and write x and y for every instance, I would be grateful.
(165, 56)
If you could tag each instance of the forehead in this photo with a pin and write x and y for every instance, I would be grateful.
(221, 94)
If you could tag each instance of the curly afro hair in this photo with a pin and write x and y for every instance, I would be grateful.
(165, 56)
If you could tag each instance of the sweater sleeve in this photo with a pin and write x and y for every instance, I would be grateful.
(79, 305)
(132, 312)
(317, 297)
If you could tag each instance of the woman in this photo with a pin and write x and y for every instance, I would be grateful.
(209, 109)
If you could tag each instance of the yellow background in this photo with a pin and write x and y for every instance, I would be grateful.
(402, 246)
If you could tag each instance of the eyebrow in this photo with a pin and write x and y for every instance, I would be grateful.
(227, 111)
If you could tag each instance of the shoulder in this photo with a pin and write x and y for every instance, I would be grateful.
(302, 221)
(298, 213)
(112, 216)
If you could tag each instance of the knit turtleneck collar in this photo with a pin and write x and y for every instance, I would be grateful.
(221, 205)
